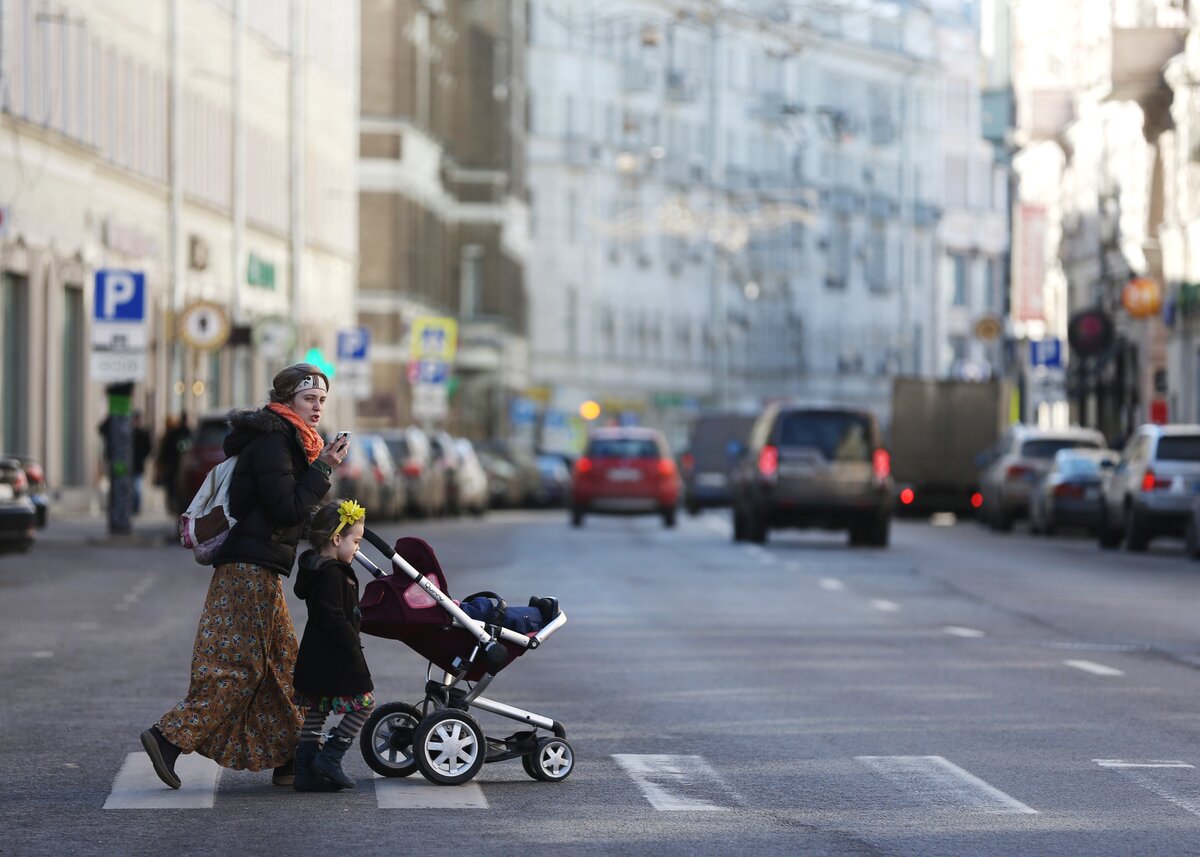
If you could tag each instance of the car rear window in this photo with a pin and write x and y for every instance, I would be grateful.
(711, 435)
(623, 447)
(1079, 466)
(1185, 448)
(1048, 447)
(211, 433)
(839, 436)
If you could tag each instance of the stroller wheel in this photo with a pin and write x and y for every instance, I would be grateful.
(387, 740)
(450, 747)
(551, 762)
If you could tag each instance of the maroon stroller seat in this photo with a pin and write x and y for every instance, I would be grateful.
(395, 607)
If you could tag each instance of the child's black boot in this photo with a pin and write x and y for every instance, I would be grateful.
(305, 780)
(327, 766)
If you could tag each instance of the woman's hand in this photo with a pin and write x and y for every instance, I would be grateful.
(334, 453)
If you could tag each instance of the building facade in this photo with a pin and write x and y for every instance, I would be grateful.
(444, 221)
(209, 145)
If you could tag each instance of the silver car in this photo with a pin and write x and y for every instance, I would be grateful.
(1018, 464)
(1151, 490)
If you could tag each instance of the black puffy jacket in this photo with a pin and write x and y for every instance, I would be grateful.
(331, 661)
(272, 492)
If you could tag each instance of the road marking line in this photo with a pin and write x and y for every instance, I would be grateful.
(662, 778)
(885, 605)
(939, 782)
(416, 793)
(1148, 781)
(42, 653)
(831, 583)
(960, 631)
(1093, 668)
(138, 787)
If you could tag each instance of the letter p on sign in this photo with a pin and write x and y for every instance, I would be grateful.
(120, 295)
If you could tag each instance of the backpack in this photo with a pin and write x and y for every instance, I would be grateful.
(207, 523)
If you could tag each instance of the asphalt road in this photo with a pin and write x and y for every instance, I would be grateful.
(960, 693)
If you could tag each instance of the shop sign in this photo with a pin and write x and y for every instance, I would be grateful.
(988, 328)
(204, 325)
(1142, 297)
(260, 272)
(128, 240)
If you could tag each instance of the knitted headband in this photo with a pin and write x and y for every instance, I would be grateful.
(309, 382)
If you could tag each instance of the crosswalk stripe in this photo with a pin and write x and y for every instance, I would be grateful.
(138, 787)
(416, 792)
(674, 783)
(1163, 778)
(1094, 668)
(938, 782)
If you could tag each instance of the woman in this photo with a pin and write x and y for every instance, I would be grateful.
(239, 711)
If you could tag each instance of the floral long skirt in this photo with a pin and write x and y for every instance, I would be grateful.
(238, 711)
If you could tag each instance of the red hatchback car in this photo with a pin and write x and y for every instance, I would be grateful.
(625, 471)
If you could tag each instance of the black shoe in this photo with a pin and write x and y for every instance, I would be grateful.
(285, 774)
(162, 755)
(328, 763)
(304, 780)
(547, 606)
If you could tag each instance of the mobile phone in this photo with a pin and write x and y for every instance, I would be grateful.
(340, 435)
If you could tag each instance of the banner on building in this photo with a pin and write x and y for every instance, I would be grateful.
(1029, 282)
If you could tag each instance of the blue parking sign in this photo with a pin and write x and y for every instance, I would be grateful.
(120, 295)
(352, 344)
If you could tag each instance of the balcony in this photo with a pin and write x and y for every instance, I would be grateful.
(1138, 57)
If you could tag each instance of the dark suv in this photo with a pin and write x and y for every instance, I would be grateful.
(822, 467)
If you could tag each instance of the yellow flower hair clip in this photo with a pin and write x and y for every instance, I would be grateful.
(350, 513)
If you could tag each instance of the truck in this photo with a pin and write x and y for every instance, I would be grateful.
(940, 430)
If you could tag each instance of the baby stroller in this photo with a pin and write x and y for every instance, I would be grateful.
(441, 738)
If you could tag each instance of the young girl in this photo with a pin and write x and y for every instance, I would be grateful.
(331, 675)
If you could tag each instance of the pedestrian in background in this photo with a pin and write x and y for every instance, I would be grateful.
(170, 454)
(239, 710)
(142, 445)
(331, 673)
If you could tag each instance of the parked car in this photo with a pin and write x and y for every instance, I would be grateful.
(1151, 490)
(504, 483)
(369, 478)
(625, 471)
(37, 487)
(411, 450)
(556, 480)
(1017, 464)
(820, 467)
(1069, 493)
(713, 445)
(446, 462)
(204, 451)
(472, 479)
(18, 517)
(529, 478)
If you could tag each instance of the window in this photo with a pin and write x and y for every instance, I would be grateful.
(958, 273)
(837, 435)
(73, 386)
(13, 326)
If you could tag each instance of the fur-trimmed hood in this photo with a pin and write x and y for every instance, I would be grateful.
(249, 423)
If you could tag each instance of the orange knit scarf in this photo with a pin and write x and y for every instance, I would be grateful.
(308, 435)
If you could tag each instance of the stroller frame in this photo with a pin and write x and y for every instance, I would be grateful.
(447, 744)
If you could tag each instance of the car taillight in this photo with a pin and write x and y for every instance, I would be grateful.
(378, 474)
(666, 467)
(689, 462)
(20, 483)
(768, 461)
(1069, 490)
(1018, 471)
(412, 468)
(881, 464)
(35, 474)
(907, 496)
(583, 466)
(1151, 482)
(976, 500)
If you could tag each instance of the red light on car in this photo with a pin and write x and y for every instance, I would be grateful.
(976, 500)
(1069, 490)
(768, 461)
(1017, 471)
(379, 477)
(881, 464)
(35, 474)
(666, 467)
(583, 465)
(412, 468)
(1151, 482)
(907, 496)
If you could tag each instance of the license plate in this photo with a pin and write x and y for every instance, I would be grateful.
(624, 474)
(6, 491)
(712, 480)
